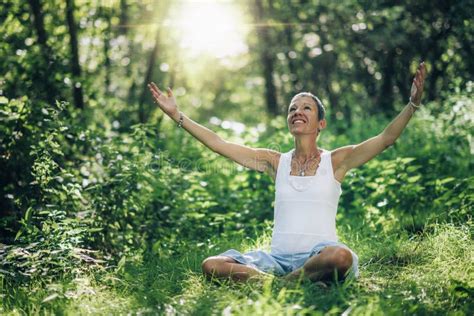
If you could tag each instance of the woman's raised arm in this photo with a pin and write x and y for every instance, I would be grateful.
(260, 159)
(352, 156)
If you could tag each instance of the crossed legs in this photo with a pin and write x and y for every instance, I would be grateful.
(332, 263)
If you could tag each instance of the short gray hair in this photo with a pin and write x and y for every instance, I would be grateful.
(319, 104)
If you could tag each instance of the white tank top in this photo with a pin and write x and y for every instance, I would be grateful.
(305, 207)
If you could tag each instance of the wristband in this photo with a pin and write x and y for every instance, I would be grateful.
(181, 118)
(413, 104)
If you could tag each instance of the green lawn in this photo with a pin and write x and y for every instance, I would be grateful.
(431, 273)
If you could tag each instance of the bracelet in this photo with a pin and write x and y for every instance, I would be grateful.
(413, 104)
(181, 118)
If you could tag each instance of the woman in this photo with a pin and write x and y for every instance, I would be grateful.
(307, 190)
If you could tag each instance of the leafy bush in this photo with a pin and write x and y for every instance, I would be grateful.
(43, 199)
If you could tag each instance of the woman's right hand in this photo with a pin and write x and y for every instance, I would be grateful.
(167, 103)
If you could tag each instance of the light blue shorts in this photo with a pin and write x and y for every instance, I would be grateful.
(282, 264)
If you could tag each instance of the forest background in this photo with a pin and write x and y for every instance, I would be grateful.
(107, 207)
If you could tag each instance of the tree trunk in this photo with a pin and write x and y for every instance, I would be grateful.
(75, 67)
(267, 60)
(105, 13)
(123, 30)
(289, 39)
(123, 27)
(385, 98)
(291, 62)
(142, 109)
(44, 74)
(39, 23)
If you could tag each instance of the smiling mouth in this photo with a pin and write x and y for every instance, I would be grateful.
(298, 121)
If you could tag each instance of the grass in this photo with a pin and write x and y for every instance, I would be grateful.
(430, 273)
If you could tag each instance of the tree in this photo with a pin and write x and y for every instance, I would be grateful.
(75, 67)
(48, 87)
(142, 112)
(267, 58)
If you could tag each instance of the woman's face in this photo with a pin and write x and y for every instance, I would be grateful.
(303, 116)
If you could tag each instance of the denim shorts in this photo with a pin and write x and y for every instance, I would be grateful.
(282, 264)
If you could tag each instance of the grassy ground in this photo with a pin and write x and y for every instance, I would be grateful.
(431, 273)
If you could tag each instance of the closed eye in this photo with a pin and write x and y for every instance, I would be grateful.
(293, 109)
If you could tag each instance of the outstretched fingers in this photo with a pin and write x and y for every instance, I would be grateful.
(421, 72)
(154, 88)
(418, 83)
(417, 79)
(156, 92)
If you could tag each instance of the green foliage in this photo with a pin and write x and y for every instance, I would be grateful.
(44, 199)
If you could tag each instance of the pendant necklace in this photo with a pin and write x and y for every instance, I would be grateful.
(301, 171)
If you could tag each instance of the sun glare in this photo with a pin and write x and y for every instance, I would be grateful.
(210, 27)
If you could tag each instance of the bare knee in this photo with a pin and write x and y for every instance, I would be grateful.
(334, 260)
(209, 265)
(342, 260)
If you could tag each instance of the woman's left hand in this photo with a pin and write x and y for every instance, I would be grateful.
(417, 85)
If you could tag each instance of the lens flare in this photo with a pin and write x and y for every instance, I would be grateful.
(214, 28)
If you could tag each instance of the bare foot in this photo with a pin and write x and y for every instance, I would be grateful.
(295, 275)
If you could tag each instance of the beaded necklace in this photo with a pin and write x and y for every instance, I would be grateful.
(301, 171)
